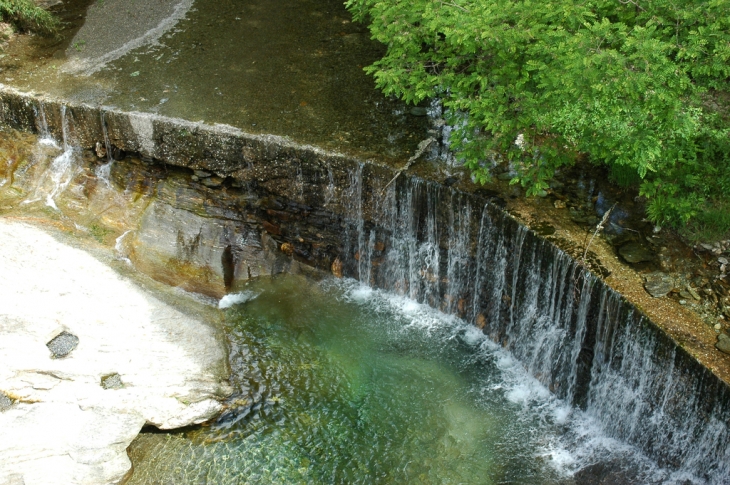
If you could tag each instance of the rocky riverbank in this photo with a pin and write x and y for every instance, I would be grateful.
(86, 360)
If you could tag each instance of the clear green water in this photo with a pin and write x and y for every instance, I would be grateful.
(342, 384)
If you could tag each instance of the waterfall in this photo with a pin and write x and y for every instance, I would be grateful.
(45, 137)
(121, 250)
(103, 172)
(571, 331)
(458, 272)
(300, 183)
(64, 128)
(330, 190)
(62, 169)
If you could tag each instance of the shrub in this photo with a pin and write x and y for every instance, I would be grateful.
(636, 85)
(25, 15)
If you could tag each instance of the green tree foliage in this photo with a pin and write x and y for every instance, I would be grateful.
(638, 85)
(25, 15)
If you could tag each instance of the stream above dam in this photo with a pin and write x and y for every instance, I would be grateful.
(282, 67)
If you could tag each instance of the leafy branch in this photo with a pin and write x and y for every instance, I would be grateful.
(638, 87)
(25, 15)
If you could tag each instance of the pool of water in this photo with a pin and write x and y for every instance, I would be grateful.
(338, 383)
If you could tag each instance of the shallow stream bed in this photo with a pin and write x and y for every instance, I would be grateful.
(282, 67)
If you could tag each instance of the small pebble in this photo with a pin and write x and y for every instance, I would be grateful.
(5, 402)
(112, 381)
(718, 327)
(682, 302)
(63, 344)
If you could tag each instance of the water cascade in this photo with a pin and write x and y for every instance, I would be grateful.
(104, 170)
(43, 133)
(573, 333)
(62, 169)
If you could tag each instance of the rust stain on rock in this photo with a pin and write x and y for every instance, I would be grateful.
(287, 249)
(337, 268)
(272, 229)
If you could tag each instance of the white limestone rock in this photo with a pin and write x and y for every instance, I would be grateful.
(64, 427)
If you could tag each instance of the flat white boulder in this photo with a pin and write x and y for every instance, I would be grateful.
(158, 365)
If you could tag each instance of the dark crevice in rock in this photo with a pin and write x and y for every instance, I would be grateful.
(229, 266)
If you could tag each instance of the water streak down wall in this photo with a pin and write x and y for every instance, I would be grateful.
(456, 252)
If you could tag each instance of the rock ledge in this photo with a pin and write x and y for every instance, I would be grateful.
(63, 421)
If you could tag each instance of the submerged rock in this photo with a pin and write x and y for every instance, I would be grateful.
(658, 284)
(64, 427)
(634, 252)
(608, 473)
(723, 343)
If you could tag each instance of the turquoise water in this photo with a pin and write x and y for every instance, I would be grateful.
(338, 383)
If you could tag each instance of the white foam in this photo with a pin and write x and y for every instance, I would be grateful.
(410, 306)
(519, 394)
(562, 460)
(561, 414)
(473, 336)
(361, 293)
(236, 299)
(49, 142)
